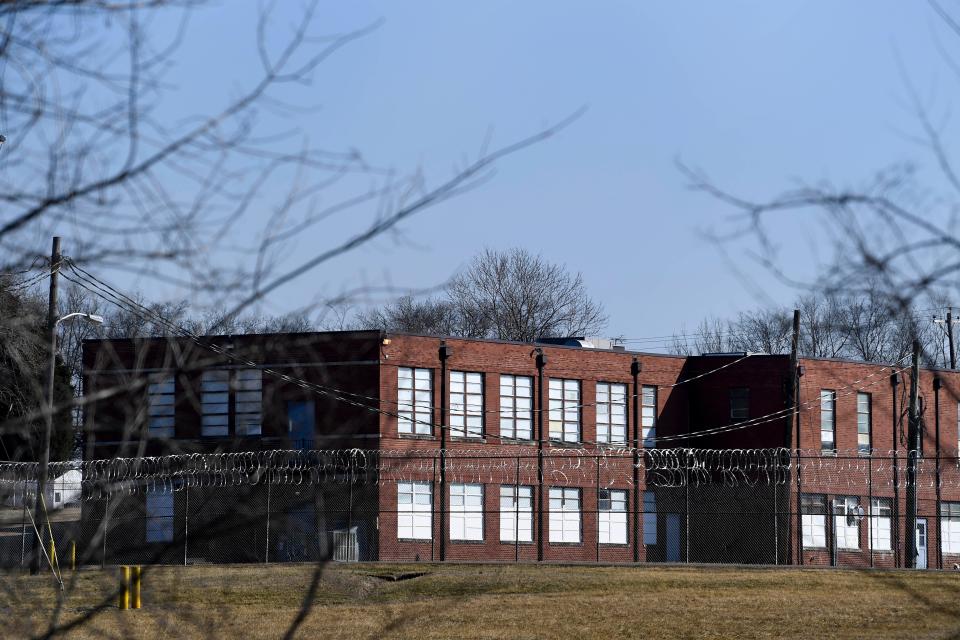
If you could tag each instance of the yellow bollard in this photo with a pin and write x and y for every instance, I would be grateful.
(137, 575)
(73, 555)
(53, 553)
(124, 601)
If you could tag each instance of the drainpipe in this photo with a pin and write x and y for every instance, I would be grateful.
(444, 354)
(894, 383)
(635, 368)
(541, 363)
(937, 385)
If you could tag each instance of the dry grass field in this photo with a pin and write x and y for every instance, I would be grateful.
(493, 601)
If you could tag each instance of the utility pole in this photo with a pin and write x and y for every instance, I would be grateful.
(38, 505)
(913, 449)
(953, 352)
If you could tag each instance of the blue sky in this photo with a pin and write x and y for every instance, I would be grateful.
(760, 95)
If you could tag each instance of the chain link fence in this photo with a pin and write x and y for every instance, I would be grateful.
(773, 507)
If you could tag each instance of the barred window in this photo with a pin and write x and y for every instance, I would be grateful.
(215, 402)
(161, 398)
(739, 403)
(248, 401)
(414, 401)
(159, 521)
(612, 516)
(565, 515)
(565, 410)
(649, 518)
(611, 413)
(466, 512)
(828, 419)
(864, 420)
(881, 514)
(516, 407)
(414, 510)
(516, 513)
(846, 521)
(813, 517)
(648, 415)
(466, 404)
(950, 527)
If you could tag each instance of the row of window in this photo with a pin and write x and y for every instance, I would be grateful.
(466, 514)
(467, 414)
(848, 516)
(218, 389)
(828, 421)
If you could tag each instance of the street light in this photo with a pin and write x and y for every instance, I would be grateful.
(48, 423)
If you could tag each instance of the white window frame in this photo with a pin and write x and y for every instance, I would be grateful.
(248, 402)
(516, 407)
(950, 527)
(159, 510)
(612, 413)
(612, 516)
(864, 422)
(161, 410)
(565, 519)
(564, 394)
(846, 526)
(881, 521)
(649, 518)
(813, 523)
(215, 403)
(828, 420)
(466, 404)
(466, 512)
(516, 515)
(414, 401)
(648, 415)
(414, 511)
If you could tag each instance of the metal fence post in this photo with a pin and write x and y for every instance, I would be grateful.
(266, 552)
(871, 514)
(23, 530)
(106, 528)
(186, 524)
(350, 538)
(596, 515)
(776, 521)
(516, 513)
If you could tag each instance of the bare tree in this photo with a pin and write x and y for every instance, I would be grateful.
(505, 295)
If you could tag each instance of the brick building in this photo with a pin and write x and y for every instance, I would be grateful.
(482, 445)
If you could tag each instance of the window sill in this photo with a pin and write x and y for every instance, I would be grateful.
(414, 539)
(565, 544)
(477, 439)
(560, 444)
(468, 542)
(615, 545)
(522, 543)
(416, 436)
(507, 440)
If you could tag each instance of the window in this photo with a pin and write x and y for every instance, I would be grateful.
(813, 519)
(863, 422)
(466, 404)
(160, 407)
(649, 517)
(611, 413)
(612, 516)
(414, 508)
(215, 403)
(880, 519)
(414, 401)
(159, 506)
(516, 514)
(565, 410)
(565, 515)
(739, 403)
(516, 407)
(466, 512)
(950, 527)
(248, 401)
(828, 419)
(846, 521)
(648, 415)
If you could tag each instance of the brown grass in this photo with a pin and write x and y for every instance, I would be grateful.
(498, 601)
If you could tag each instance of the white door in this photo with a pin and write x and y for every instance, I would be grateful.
(673, 537)
(921, 543)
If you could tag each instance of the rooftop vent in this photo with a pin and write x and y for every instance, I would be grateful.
(582, 342)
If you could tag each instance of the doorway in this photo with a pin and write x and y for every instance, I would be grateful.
(921, 543)
(673, 537)
(300, 424)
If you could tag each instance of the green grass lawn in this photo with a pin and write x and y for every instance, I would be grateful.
(495, 601)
